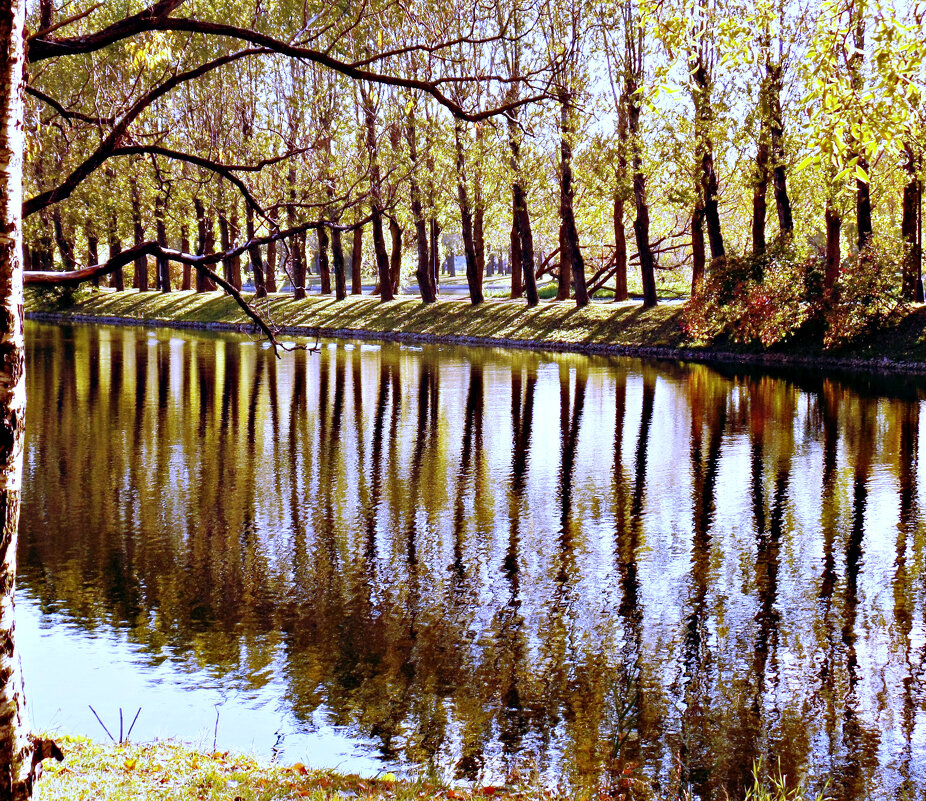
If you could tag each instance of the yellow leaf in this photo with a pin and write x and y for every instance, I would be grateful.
(130, 764)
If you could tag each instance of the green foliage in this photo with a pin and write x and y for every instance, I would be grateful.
(867, 296)
(751, 298)
(54, 298)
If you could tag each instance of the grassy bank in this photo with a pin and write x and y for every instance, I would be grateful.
(602, 328)
(167, 770)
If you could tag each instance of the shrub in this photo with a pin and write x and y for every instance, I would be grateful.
(868, 292)
(53, 298)
(754, 298)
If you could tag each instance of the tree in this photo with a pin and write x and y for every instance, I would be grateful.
(20, 755)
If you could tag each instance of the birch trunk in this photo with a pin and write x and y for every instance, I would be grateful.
(18, 763)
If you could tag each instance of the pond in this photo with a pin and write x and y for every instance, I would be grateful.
(493, 565)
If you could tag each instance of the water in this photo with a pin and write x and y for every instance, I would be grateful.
(491, 565)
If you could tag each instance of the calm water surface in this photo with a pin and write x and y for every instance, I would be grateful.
(487, 563)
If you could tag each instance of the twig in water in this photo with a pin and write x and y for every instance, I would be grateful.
(215, 734)
(120, 725)
(101, 723)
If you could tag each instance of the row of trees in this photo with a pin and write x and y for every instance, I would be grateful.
(658, 135)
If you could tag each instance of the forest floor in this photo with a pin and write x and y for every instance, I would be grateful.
(609, 328)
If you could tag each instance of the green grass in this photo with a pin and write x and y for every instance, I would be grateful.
(551, 323)
(171, 771)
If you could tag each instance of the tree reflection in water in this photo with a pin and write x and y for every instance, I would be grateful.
(602, 572)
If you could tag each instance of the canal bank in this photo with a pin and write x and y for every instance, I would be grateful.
(180, 772)
(619, 329)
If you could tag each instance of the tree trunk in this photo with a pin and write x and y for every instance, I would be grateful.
(19, 757)
(187, 280)
(517, 282)
(337, 263)
(296, 260)
(205, 244)
(117, 277)
(564, 277)
(356, 261)
(641, 222)
(698, 258)
(620, 250)
(225, 241)
(395, 258)
(527, 245)
(376, 201)
(776, 131)
(473, 278)
(140, 279)
(93, 254)
(704, 114)
(908, 225)
(759, 195)
(384, 278)
(435, 255)
(163, 265)
(479, 243)
(235, 232)
(300, 267)
(65, 247)
(833, 255)
(863, 206)
(270, 279)
(574, 259)
(423, 271)
(257, 266)
(324, 267)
